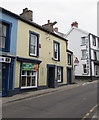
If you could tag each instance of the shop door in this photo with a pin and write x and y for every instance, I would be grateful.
(69, 75)
(51, 77)
(3, 78)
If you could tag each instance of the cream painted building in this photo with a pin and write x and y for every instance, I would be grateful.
(41, 59)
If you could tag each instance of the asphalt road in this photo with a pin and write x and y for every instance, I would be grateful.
(72, 103)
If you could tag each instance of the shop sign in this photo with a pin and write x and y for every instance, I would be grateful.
(5, 59)
(30, 66)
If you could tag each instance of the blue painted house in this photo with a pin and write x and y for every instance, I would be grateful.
(8, 37)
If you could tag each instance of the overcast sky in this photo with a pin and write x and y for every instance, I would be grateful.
(63, 11)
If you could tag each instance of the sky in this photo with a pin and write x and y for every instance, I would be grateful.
(63, 11)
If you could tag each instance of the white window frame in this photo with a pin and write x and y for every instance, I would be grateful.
(98, 42)
(83, 40)
(56, 47)
(25, 87)
(85, 69)
(3, 35)
(31, 53)
(94, 40)
(69, 59)
(84, 54)
(59, 71)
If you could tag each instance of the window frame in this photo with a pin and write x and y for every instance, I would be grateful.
(37, 43)
(84, 58)
(95, 55)
(61, 69)
(85, 69)
(8, 35)
(28, 75)
(98, 42)
(58, 52)
(69, 60)
(94, 40)
(83, 43)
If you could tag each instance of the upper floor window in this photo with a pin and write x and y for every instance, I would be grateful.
(4, 36)
(94, 40)
(84, 54)
(95, 55)
(34, 44)
(98, 42)
(69, 59)
(56, 50)
(83, 41)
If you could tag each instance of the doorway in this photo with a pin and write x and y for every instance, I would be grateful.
(51, 76)
(3, 79)
(69, 75)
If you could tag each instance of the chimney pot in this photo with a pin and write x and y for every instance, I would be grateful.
(74, 24)
(48, 21)
(25, 10)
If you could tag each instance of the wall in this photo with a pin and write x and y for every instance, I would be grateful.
(45, 52)
(14, 22)
(75, 45)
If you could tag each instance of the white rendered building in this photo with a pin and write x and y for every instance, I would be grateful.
(85, 47)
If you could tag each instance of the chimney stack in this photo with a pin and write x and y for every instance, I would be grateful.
(27, 14)
(49, 25)
(74, 24)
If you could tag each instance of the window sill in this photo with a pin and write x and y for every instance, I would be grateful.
(29, 87)
(55, 59)
(59, 82)
(83, 58)
(83, 45)
(85, 74)
(69, 64)
(33, 55)
(4, 50)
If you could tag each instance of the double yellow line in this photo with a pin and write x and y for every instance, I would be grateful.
(90, 111)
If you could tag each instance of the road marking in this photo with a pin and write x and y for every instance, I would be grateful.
(87, 114)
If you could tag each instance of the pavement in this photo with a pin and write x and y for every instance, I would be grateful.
(30, 94)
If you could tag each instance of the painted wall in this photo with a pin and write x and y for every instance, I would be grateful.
(14, 22)
(74, 44)
(45, 52)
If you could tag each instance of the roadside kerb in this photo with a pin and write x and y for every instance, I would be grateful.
(34, 94)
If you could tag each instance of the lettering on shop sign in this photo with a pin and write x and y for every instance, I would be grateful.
(30, 66)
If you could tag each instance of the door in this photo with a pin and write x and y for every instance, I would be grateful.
(69, 75)
(3, 79)
(51, 77)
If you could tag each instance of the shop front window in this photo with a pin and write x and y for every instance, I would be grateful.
(29, 75)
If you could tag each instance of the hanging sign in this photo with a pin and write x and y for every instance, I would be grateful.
(30, 66)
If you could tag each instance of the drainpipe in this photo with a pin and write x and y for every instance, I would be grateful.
(90, 58)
